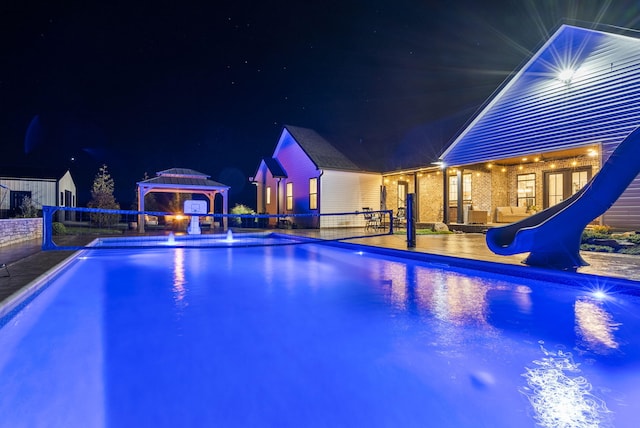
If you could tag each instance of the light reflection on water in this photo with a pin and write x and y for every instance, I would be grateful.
(179, 281)
(595, 326)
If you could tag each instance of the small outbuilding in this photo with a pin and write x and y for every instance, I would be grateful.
(41, 186)
(183, 180)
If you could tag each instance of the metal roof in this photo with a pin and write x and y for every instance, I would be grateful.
(538, 112)
(182, 177)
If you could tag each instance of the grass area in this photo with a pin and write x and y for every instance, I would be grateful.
(92, 231)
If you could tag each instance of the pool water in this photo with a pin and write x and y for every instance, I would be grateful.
(314, 336)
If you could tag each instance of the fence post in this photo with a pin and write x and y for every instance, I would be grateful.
(47, 227)
(411, 220)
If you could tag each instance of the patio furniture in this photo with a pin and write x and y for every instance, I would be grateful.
(400, 219)
(477, 216)
(510, 214)
(372, 220)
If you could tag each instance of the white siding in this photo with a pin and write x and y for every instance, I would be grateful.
(43, 192)
(342, 191)
(67, 183)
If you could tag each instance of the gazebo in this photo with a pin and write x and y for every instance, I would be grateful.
(182, 180)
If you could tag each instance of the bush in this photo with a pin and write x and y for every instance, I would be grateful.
(589, 234)
(241, 209)
(597, 248)
(635, 238)
(603, 229)
(632, 250)
(59, 228)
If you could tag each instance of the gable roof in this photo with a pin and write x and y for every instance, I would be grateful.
(537, 112)
(320, 151)
(277, 171)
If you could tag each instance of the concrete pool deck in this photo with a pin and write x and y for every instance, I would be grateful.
(26, 262)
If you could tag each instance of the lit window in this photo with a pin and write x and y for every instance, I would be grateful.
(313, 193)
(578, 180)
(526, 190)
(466, 187)
(268, 195)
(403, 189)
(290, 196)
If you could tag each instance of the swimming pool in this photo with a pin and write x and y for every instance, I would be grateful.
(312, 335)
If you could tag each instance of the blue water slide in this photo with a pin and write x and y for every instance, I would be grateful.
(552, 236)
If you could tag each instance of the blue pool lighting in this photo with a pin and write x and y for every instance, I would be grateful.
(314, 335)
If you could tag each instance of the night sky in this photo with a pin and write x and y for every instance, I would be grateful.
(147, 86)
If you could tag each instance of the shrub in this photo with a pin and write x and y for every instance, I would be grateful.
(59, 228)
(28, 208)
(632, 250)
(597, 248)
(589, 234)
(241, 209)
(603, 229)
(635, 238)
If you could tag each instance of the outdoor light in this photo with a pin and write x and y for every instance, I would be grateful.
(592, 153)
(566, 75)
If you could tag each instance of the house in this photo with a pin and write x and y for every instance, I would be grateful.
(549, 129)
(307, 175)
(43, 187)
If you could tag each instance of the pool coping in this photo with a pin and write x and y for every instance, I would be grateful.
(622, 285)
(21, 297)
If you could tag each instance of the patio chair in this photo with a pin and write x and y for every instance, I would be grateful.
(372, 219)
(400, 218)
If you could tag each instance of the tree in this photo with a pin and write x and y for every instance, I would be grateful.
(28, 208)
(102, 197)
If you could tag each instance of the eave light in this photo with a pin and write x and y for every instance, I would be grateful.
(566, 75)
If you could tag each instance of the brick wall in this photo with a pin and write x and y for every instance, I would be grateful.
(17, 230)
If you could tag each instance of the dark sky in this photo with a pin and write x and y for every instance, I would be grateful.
(146, 86)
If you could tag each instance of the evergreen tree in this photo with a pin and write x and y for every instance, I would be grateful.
(102, 197)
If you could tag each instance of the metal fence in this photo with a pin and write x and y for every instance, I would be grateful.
(77, 228)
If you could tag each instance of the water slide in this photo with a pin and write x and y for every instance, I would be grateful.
(552, 236)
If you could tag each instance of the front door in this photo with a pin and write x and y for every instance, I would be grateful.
(559, 185)
(555, 188)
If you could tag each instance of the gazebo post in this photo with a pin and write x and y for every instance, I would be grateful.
(225, 208)
(211, 197)
(141, 194)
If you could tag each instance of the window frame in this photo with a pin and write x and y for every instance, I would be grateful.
(313, 193)
(529, 200)
(289, 197)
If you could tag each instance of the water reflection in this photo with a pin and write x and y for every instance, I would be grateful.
(595, 326)
(179, 281)
(448, 296)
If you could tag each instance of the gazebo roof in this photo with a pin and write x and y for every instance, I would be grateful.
(188, 179)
